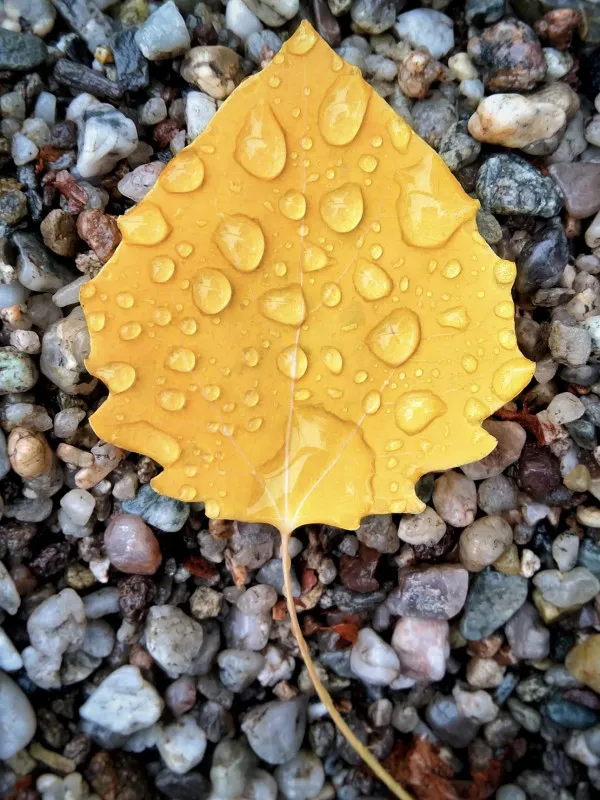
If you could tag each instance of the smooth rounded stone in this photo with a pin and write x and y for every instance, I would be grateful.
(565, 407)
(426, 28)
(302, 777)
(527, 636)
(37, 269)
(583, 662)
(589, 516)
(476, 706)
(20, 52)
(99, 639)
(205, 603)
(374, 16)
(493, 600)
(569, 344)
(510, 56)
(58, 624)
(77, 666)
(164, 34)
(257, 599)
(191, 786)
(17, 718)
(572, 144)
(105, 137)
(9, 596)
(161, 512)
(42, 669)
(180, 696)
(585, 375)
(153, 111)
(448, 723)
(239, 668)
(570, 715)
(271, 573)
(565, 549)
(558, 63)
(181, 744)
(247, 631)
(275, 730)
(577, 748)
(124, 702)
(455, 498)
(483, 542)
(526, 716)
(497, 495)
(199, 110)
(501, 731)
(59, 232)
(426, 528)
(23, 150)
(379, 533)
(65, 346)
(462, 67)
(137, 183)
(437, 592)
(567, 589)
(257, 41)
(18, 372)
(515, 121)
(422, 646)
(432, 119)
(79, 505)
(372, 660)
(511, 439)
(101, 603)
(240, 20)
(231, 764)
(457, 147)
(580, 185)
(507, 184)
(273, 12)
(213, 69)
(539, 471)
(45, 106)
(10, 659)
(173, 639)
(589, 556)
(12, 294)
(131, 546)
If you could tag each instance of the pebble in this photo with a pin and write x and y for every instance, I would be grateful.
(42, 669)
(437, 592)
(457, 148)
(161, 512)
(124, 702)
(580, 186)
(65, 345)
(58, 624)
(569, 344)
(240, 20)
(515, 121)
(565, 407)
(76, 76)
(257, 599)
(379, 533)
(105, 136)
(589, 556)
(10, 659)
(200, 108)
(583, 662)
(480, 12)
(483, 542)
(448, 723)
(497, 495)
(99, 639)
(539, 472)
(213, 69)
(275, 730)
(131, 66)
(173, 639)
(510, 56)
(568, 589)
(507, 184)
(101, 603)
(37, 269)
(570, 715)
(247, 631)
(164, 34)
(181, 744)
(510, 438)
(455, 498)
(59, 232)
(131, 546)
(422, 646)
(232, 763)
(493, 600)
(302, 777)
(527, 636)
(565, 549)
(20, 51)
(372, 660)
(477, 706)
(137, 183)
(205, 603)
(17, 718)
(239, 668)
(273, 12)
(426, 528)
(426, 28)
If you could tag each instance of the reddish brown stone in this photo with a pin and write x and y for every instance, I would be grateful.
(100, 232)
(557, 27)
(485, 648)
(164, 131)
(510, 56)
(357, 573)
(199, 567)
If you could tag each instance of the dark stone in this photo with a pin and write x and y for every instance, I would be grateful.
(357, 573)
(63, 135)
(321, 736)
(583, 433)
(132, 67)
(135, 595)
(16, 536)
(326, 24)
(483, 12)
(539, 471)
(20, 51)
(457, 147)
(589, 556)
(54, 733)
(339, 662)
(589, 29)
(360, 730)
(51, 560)
(541, 544)
(350, 602)
(570, 715)
(493, 599)
(510, 56)
(447, 723)
(586, 375)
(84, 79)
(580, 185)
(542, 261)
(507, 184)
(216, 722)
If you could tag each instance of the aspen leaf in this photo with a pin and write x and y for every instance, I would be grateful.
(302, 318)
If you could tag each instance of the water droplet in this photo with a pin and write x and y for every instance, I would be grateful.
(391, 463)
(507, 339)
(162, 316)
(376, 141)
(251, 357)
(313, 258)
(331, 295)
(513, 376)
(361, 376)
(457, 318)
(260, 146)
(211, 392)
(400, 134)
(292, 362)
(251, 398)
(96, 321)
(336, 63)
(212, 509)
(171, 400)
(188, 326)
(332, 359)
(376, 251)
(505, 272)
(306, 143)
(505, 310)
(144, 224)
(334, 393)
(293, 204)
(394, 444)
(125, 300)
(117, 375)
(296, 112)
(343, 109)
(129, 331)
(475, 410)
(87, 290)
(185, 249)
(285, 305)
(368, 163)
(279, 269)
(241, 241)
(452, 269)
(371, 281)
(183, 174)
(254, 424)
(469, 363)
(211, 290)
(342, 208)
(162, 269)
(190, 470)
(181, 360)
(187, 494)
(274, 81)
(396, 337)
(302, 394)
(414, 411)
(228, 407)
(302, 41)
(371, 402)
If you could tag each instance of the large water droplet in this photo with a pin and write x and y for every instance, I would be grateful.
(331, 295)
(129, 331)
(396, 337)
(211, 290)
(183, 174)
(456, 318)
(241, 241)
(302, 41)
(96, 321)
(313, 257)
(162, 316)
(285, 305)
(343, 109)
(505, 272)
(260, 147)
(513, 376)
(342, 208)
(332, 359)
(371, 402)
(371, 281)
(212, 509)
(171, 400)
(117, 375)
(187, 493)
(400, 134)
(292, 362)
(475, 410)
(293, 204)
(414, 411)
(162, 269)
(211, 392)
(144, 224)
(181, 360)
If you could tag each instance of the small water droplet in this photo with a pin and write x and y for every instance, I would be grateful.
(292, 362)
(296, 112)
(400, 134)
(376, 251)
(414, 411)
(241, 241)
(188, 326)
(376, 141)
(274, 81)
(187, 494)
(342, 208)
(279, 269)
(185, 249)
(162, 269)
(313, 258)
(251, 357)
(469, 363)
(334, 393)
(332, 359)
(370, 280)
(211, 290)
(183, 174)
(129, 331)
(228, 407)
(368, 163)
(211, 392)
(254, 424)
(144, 224)
(331, 295)
(343, 108)
(505, 272)
(475, 410)
(212, 509)
(171, 400)
(87, 290)
(513, 376)
(507, 339)
(302, 41)
(285, 305)
(371, 402)
(306, 143)
(330, 174)
(452, 269)
(361, 376)
(394, 444)
(125, 300)
(505, 310)
(260, 146)
(456, 318)
(96, 321)
(293, 204)
(391, 463)
(181, 360)
(302, 394)
(190, 470)
(117, 375)
(396, 337)
(162, 316)
(251, 398)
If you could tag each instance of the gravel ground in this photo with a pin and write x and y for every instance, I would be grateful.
(145, 651)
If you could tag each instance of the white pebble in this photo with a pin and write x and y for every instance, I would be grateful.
(124, 702)
(45, 108)
(79, 504)
(182, 744)
(10, 659)
(23, 150)
(240, 20)
(199, 110)
(373, 660)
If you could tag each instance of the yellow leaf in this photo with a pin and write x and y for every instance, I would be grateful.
(302, 293)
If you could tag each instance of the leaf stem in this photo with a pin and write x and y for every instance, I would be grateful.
(324, 695)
